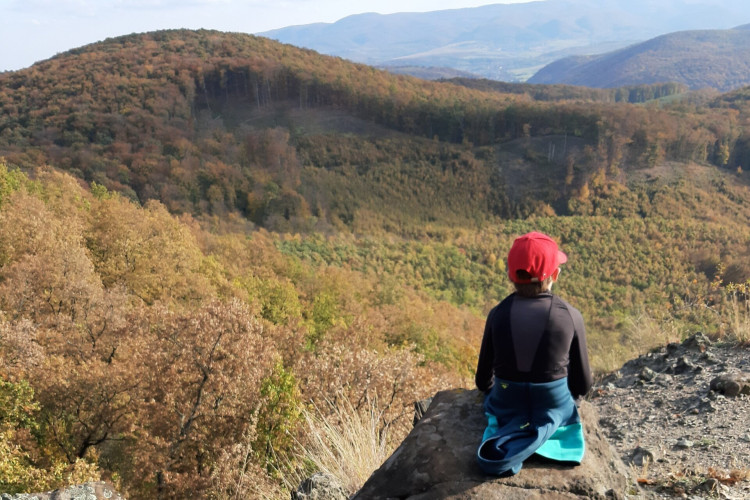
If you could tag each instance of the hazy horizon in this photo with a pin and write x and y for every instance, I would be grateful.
(39, 29)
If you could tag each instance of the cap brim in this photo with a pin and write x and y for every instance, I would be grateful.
(561, 258)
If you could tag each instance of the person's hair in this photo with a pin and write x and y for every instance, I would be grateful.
(531, 289)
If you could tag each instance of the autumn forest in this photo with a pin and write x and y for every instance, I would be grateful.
(204, 236)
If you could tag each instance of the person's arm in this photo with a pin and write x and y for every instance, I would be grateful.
(483, 377)
(579, 371)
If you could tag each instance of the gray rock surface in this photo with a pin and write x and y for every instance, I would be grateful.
(87, 491)
(319, 486)
(732, 384)
(437, 461)
(680, 415)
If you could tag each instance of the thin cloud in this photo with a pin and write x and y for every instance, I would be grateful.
(73, 6)
(167, 4)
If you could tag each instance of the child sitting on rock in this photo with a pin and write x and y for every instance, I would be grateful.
(532, 364)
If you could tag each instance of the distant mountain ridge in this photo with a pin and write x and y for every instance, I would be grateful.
(719, 59)
(508, 42)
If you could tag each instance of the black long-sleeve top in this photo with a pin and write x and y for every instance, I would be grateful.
(537, 339)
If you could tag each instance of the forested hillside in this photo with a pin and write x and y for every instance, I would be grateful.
(136, 346)
(208, 122)
(204, 236)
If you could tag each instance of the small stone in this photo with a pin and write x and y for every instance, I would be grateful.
(708, 357)
(731, 384)
(672, 348)
(607, 422)
(647, 374)
(616, 375)
(664, 380)
(697, 342)
(624, 382)
(319, 486)
(618, 435)
(683, 365)
(684, 443)
(710, 485)
(641, 456)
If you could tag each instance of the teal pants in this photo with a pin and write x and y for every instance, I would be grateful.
(525, 418)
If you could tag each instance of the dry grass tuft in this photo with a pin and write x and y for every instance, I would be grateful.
(738, 319)
(731, 477)
(645, 332)
(346, 443)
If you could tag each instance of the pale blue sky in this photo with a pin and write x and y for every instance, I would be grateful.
(32, 30)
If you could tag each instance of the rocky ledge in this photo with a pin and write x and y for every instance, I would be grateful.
(437, 461)
(680, 416)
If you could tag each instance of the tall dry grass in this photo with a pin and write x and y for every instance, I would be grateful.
(345, 443)
(732, 308)
(737, 318)
(639, 334)
(645, 332)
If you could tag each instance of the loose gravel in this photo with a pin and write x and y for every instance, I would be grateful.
(680, 416)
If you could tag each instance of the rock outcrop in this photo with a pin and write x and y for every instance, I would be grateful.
(437, 460)
(87, 491)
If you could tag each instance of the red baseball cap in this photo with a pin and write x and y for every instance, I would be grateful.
(537, 254)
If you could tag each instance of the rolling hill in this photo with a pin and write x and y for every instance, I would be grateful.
(717, 59)
(210, 122)
(508, 42)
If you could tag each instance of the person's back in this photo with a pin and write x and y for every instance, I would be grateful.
(532, 362)
(534, 339)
